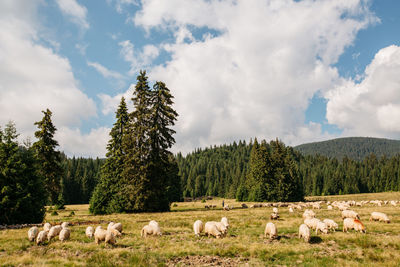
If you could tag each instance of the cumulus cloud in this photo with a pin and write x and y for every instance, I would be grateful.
(372, 106)
(75, 12)
(110, 103)
(34, 77)
(75, 143)
(104, 71)
(138, 59)
(258, 74)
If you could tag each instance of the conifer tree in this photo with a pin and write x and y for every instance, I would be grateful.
(22, 194)
(48, 158)
(105, 198)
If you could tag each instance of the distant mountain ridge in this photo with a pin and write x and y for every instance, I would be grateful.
(356, 148)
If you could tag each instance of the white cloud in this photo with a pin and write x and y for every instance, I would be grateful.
(256, 77)
(110, 103)
(76, 12)
(372, 106)
(104, 71)
(81, 48)
(121, 4)
(138, 60)
(74, 143)
(34, 77)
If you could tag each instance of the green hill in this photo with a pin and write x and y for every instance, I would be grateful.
(356, 148)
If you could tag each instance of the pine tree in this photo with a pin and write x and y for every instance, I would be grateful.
(105, 198)
(22, 194)
(48, 158)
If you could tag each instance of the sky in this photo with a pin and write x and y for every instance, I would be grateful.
(301, 71)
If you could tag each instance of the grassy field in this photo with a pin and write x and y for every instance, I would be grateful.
(244, 245)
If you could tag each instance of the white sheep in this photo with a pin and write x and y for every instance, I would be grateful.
(46, 227)
(350, 214)
(118, 227)
(225, 221)
(221, 227)
(311, 222)
(64, 224)
(330, 207)
(321, 226)
(379, 216)
(150, 230)
(275, 210)
(65, 233)
(332, 225)
(32, 233)
(153, 222)
(54, 231)
(304, 232)
(350, 223)
(291, 210)
(198, 227)
(111, 224)
(41, 237)
(99, 234)
(110, 238)
(226, 207)
(89, 231)
(210, 228)
(271, 230)
(308, 214)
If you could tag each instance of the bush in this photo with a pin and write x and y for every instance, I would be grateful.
(72, 213)
(54, 213)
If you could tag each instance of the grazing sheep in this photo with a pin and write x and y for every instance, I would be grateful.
(271, 230)
(275, 210)
(316, 206)
(64, 224)
(210, 228)
(115, 232)
(46, 227)
(308, 214)
(330, 207)
(118, 227)
(226, 207)
(221, 227)
(379, 216)
(54, 231)
(244, 206)
(225, 221)
(32, 233)
(291, 210)
(150, 230)
(153, 222)
(65, 233)
(304, 232)
(312, 222)
(110, 238)
(331, 224)
(274, 216)
(89, 232)
(99, 234)
(41, 237)
(198, 227)
(111, 224)
(350, 223)
(350, 214)
(321, 226)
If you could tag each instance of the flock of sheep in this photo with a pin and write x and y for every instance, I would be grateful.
(351, 220)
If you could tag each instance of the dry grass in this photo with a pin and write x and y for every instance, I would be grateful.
(244, 244)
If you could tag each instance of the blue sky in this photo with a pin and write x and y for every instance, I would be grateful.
(301, 71)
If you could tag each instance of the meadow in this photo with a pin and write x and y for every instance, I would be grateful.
(245, 244)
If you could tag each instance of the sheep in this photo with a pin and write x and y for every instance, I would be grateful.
(110, 238)
(89, 232)
(275, 210)
(46, 227)
(308, 214)
(32, 233)
(316, 206)
(330, 207)
(291, 210)
(153, 222)
(54, 231)
(64, 224)
(311, 222)
(332, 225)
(221, 227)
(150, 230)
(198, 227)
(350, 223)
(226, 207)
(99, 234)
(350, 214)
(118, 227)
(210, 228)
(111, 224)
(321, 226)
(65, 233)
(304, 232)
(271, 230)
(379, 216)
(244, 206)
(225, 221)
(41, 237)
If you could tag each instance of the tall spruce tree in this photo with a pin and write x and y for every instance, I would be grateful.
(105, 198)
(49, 159)
(22, 194)
(147, 171)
